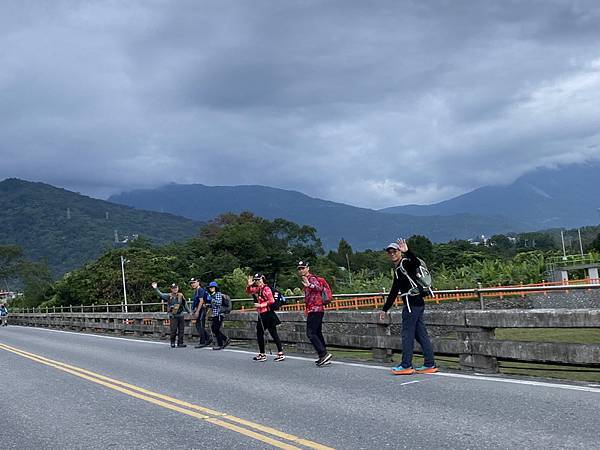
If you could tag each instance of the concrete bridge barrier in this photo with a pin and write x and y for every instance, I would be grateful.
(468, 334)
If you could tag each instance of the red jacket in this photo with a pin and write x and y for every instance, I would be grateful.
(313, 300)
(264, 297)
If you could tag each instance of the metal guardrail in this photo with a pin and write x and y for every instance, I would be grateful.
(557, 262)
(348, 301)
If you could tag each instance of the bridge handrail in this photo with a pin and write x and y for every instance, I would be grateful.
(466, 333)
(355, 301)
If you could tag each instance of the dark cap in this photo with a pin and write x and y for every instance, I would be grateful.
(302, 264)
(258, 276)
(194, 280)
(174, 285)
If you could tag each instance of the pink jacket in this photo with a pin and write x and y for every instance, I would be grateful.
(265, 297)
(313, 301)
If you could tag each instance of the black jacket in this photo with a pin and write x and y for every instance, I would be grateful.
(401, 284)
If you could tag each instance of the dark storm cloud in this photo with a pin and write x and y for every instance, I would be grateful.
(370, 103)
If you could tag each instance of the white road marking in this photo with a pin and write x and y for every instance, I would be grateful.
(496, 379)
(513, 381)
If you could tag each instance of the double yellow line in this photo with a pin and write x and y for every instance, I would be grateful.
(253, 430)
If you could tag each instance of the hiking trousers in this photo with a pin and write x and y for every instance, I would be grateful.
(267, 322)
(314, 332)
(205, 337)
(413, 328)
(216, 329)
(177, 329)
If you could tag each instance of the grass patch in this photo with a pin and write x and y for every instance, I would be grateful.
(564, 335)
(575, 373)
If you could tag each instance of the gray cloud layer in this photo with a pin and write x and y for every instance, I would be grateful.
(370, 103)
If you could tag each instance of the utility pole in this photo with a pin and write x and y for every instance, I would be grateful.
(349, 271)
(124, 286)
(562, 238)
(580, 243)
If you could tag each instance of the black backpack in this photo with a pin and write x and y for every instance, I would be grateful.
(279, 298)
(225, 304)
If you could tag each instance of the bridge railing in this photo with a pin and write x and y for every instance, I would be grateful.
(372, 300)
(468, 334)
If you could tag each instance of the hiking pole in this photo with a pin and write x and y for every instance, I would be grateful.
(265, 335)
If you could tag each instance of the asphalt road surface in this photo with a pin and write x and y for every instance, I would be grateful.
(71, 390)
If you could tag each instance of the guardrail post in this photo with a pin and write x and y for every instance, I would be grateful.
(382, 332)
(302, 346)
(470, 339)
(141, 306)
(480, 295)
(138, 324)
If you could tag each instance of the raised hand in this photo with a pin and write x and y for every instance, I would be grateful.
(402, 244)
(154, 285)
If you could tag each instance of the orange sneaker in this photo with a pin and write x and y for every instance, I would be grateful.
(425, 369)
(399, 370)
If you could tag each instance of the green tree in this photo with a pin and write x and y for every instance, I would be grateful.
(422, 247)
(595, 244)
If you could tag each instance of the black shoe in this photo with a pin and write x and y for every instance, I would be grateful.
(216, 347)
(324, 360)
(181, 345)
(173, 345)
(227, 342)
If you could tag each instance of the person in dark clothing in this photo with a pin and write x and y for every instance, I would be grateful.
(406, 263)
(215, 298)
(200, 311)
(176, 307)
(267, 318)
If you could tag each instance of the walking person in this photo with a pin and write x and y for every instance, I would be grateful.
(215, 298)
(267, 318)
(176, 307)
(314, 309)
(406, 264)
(200, 310)
(3, 315)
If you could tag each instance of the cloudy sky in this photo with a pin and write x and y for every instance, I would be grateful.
(372, 103)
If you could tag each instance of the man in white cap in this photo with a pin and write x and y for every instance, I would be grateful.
(405, 266)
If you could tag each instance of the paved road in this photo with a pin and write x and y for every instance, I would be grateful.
(123, 393)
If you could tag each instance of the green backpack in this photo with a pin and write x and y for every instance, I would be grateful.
(423, 279)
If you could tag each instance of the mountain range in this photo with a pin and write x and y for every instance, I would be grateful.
(363, 228)
(544, 198)
(567, 196)
(68, 229)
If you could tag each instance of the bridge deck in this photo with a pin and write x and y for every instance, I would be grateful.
(340, 406)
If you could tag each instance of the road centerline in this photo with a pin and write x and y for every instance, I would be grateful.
(183, 407)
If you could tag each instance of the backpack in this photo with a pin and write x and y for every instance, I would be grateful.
(175, 309)
(326, 294)
(280, 299)
(422, 282)
(225, 304)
